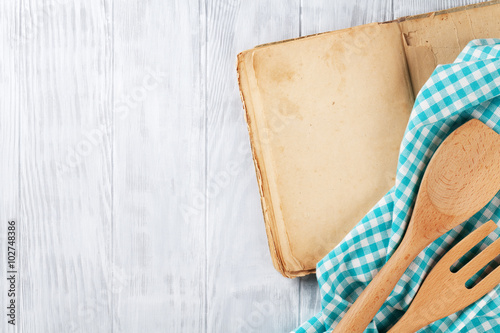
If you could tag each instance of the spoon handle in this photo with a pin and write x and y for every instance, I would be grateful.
(366, 306)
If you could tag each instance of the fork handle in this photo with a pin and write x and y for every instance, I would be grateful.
(373, 297)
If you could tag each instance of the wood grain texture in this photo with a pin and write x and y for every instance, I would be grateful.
(444, 292)
(159, 168)
(9, 137)
(322, 15)
(310, 298)
(65, 179)
(415, 7)
(245, 293)
(126, 162)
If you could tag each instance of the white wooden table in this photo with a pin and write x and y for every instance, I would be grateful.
(125, 162)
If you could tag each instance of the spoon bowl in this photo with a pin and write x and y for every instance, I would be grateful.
(461, 178)
(465, 172)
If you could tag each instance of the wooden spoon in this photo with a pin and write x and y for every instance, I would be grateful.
(461, 178)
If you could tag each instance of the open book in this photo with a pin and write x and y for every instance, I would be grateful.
(326, 115)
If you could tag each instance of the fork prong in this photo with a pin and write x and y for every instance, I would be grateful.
(481, 260)
(467, 243)
(488, 283)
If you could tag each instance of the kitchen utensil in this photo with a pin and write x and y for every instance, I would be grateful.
(444, 292)
(461, 177)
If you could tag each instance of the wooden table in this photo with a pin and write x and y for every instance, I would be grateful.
(126, 163)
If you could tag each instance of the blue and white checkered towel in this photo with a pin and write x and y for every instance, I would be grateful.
(468, 88)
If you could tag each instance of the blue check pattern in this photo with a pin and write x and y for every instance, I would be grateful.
(455, 93)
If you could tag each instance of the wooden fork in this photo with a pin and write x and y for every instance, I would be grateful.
(444, 292)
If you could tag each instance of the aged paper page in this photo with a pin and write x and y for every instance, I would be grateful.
(326, 117)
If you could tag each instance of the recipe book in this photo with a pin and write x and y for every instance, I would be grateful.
(326, 115)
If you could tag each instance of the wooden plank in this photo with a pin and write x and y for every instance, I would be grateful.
(9, 145)
(137, 255)
(415, 7)
(245, 293)
(65, 166)
(159, 168)
(310, 298)
(321, 15)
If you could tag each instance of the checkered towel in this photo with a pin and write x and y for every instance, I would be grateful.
(468, 88)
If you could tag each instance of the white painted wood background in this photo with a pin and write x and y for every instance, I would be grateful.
(125, 161)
